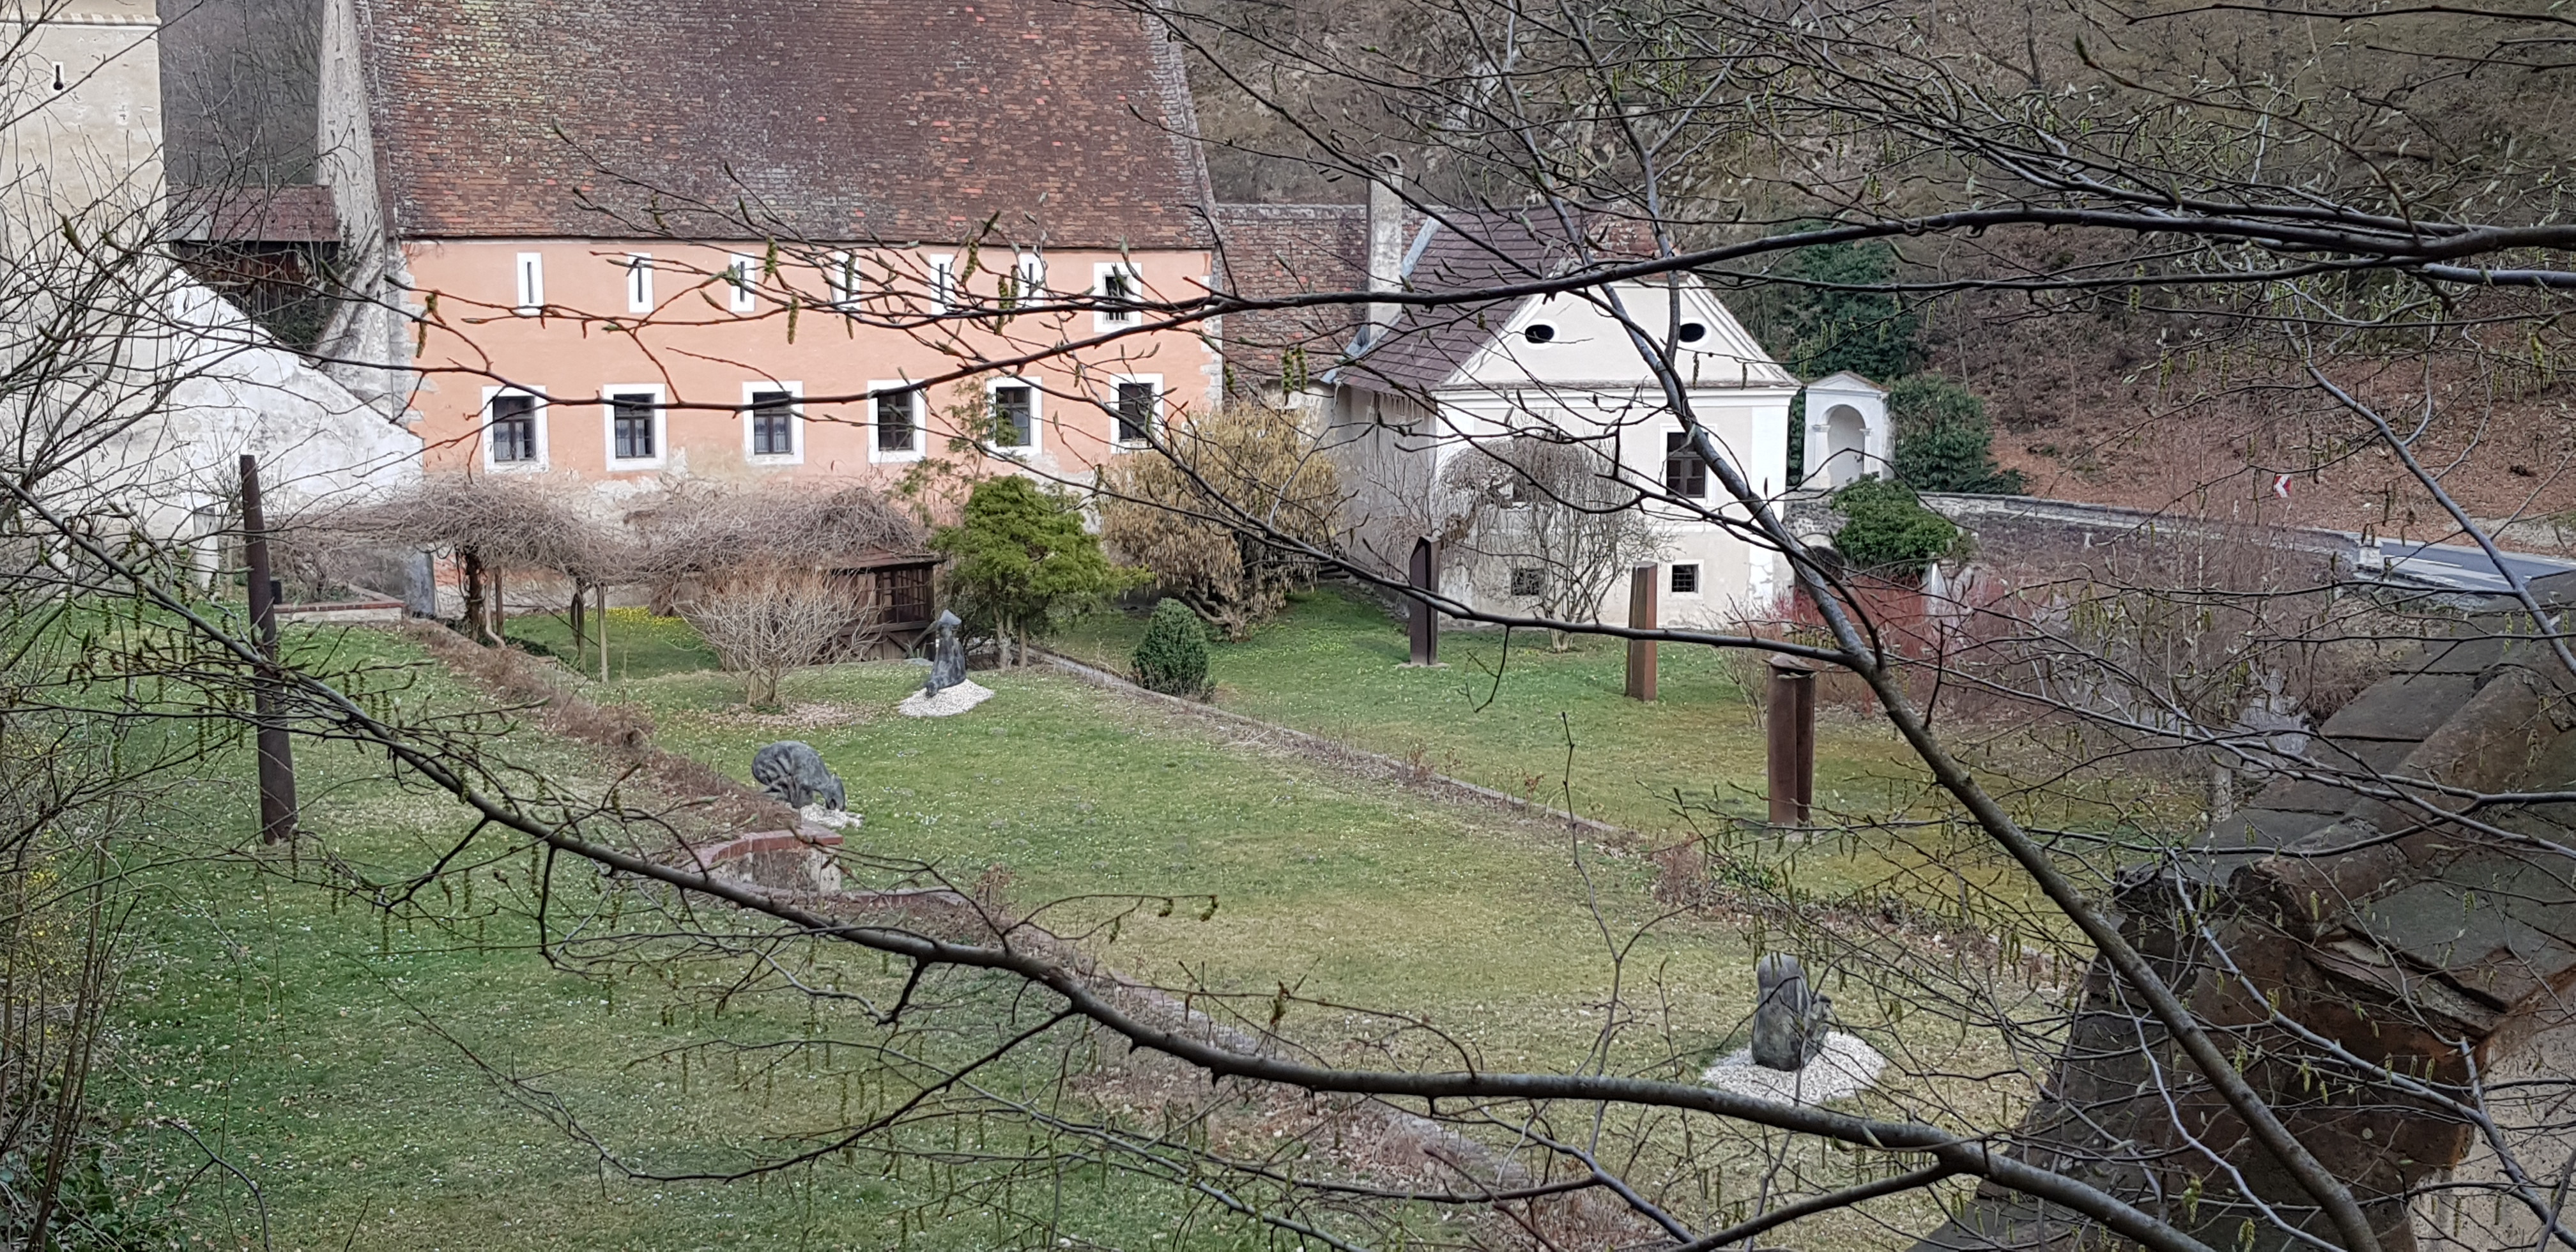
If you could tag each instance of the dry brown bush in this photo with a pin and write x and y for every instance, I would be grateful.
(1180, 511)
(768, 621)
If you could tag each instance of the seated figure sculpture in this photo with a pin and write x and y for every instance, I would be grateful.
(794, 772)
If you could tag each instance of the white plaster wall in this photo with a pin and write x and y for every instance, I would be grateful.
(91, 150)
(2531, 1098)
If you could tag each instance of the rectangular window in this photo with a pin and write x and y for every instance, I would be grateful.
(738, 284)
(631, 419)
(1138, 403)
(532, 283)
(1015, 416)
(773, 423)
(1026, 281)
(843, 277)
(1528, 580)
(514, 430)
(897, 431)
(1686, 580)
(639, 282)
(1685, 475)
(1115, 286)
(942, 275)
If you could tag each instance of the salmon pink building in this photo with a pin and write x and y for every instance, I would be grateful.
(762, 239)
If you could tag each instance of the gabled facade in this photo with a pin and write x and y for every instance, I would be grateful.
(1426, 391)
(685, 237)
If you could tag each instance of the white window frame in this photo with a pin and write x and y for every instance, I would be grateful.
(795, 423)
(608, 427)
(1037, 416)
(940, 272)
(639, 282)
(1028, 278)
(843, 279)
(537, 415)
(529, 271)
(920, 426)
(1108, 319)
(741, 294)
(1699, 578)
(1162, 408)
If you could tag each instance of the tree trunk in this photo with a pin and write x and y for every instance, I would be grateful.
(580, 637)
(602, 592)
(473, 580)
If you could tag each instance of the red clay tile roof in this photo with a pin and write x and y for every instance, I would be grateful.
(861, 120)
(1269, 250)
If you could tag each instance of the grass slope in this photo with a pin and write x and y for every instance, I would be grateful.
(308, 1041)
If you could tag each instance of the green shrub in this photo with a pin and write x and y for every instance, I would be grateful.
(1021, 562)
(1944, 441)
(1886, 527)
(1172, 658)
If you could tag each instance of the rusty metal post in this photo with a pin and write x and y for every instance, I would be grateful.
(1792, 727)
(1641, 616)
(1424, 621)
(276, 755)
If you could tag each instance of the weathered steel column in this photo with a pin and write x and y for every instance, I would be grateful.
(1641, 616)
(1792, 727)
(1425, 620)
(276, 755)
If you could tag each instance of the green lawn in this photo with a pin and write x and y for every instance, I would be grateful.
(323, 1049)
(640, 645)
(1556, 726)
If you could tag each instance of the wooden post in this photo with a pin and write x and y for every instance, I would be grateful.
(602, 628)
(500, 622)
(1792, 726)
(1641, 616)
(276, 755)
(1425, 620)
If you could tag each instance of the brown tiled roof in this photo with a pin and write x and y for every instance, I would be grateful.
(890, 120)
(1271, 250)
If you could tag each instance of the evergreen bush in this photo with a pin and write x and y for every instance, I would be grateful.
(1172, 658)
(1944, 441)
(1886, 527)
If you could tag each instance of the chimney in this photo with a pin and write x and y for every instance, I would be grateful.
(1385, 243)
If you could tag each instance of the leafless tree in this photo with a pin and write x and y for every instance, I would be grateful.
(769, 620)
(1557, 517)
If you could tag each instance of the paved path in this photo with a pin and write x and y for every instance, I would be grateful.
(2465, 567)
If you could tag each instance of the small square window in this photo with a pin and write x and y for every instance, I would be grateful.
(630, 416)
(773, 423)
(514, 430)
(1137, 403)
(896, 429)
(1015, 416)
(1686, 580)
(1528, 580)
(740, 291)
(1685, 475)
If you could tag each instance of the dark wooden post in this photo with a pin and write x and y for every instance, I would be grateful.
(1425, 620)
(1793, 741)
(276, 755)
(1641, 616)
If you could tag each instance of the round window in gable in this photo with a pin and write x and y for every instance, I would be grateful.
(1540, 332)
(1693, 332)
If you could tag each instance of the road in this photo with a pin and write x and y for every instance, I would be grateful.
(2464, 568)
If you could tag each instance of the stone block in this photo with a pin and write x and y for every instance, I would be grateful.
(2409, 706)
